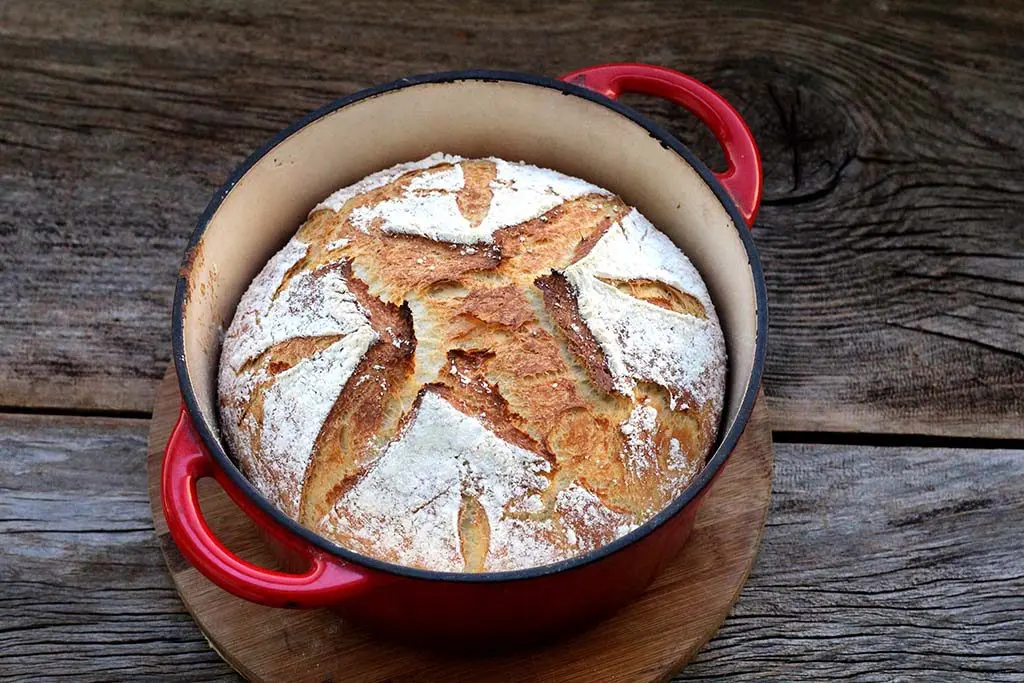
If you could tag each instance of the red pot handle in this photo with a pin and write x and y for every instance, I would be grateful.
(327, 580)
(742, 180)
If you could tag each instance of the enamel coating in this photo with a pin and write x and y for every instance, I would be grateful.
(439, 606)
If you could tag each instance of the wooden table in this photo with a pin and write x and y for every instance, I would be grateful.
(891, 234)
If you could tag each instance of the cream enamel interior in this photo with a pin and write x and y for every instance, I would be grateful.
(472, 118)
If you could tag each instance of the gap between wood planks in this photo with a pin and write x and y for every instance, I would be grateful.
(896, 440)
(778, 436)
(75, 412)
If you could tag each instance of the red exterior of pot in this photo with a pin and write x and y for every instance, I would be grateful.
(434, 606)
(411, 608)
(512, 612)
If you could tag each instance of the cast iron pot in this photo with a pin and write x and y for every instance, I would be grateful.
(573, 125)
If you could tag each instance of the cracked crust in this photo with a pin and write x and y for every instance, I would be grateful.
(530, 452)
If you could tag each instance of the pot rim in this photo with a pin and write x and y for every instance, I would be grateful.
(726, 444)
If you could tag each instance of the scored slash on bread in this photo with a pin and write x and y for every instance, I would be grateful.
(473, 365)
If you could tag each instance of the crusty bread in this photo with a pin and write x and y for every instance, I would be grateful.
(473, 365)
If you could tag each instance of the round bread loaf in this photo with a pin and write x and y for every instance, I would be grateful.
(473, 365)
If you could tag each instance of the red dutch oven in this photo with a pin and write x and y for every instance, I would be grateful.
(573, 125)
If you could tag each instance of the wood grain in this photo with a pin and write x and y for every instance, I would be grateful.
(649, 640)
(883, 564)
(876, 564)
(84, 591)
(892, 140)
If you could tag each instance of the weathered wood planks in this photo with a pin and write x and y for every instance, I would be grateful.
(891, 137)
(876, 563)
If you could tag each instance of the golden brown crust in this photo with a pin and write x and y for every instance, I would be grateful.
(464, 383)
(474, 533)
(556, 238)
(562, 307)
(505, 306)
(345, 443)
(660, 294)
(285, 354)
(502, 326)
(474, 199)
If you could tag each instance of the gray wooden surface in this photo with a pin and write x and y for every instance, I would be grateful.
(877, 563)
(891, 133)
(893, 141)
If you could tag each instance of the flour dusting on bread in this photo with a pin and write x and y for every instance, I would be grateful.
(632, 333)
(561, 377)
(407, 505)
(314, 304)
(428, 206)
(337, 200)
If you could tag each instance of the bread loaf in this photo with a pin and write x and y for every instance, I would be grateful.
(473, 365)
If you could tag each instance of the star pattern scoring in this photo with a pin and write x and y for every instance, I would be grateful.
(473, 365)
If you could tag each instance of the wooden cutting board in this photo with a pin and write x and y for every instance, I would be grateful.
(649, 640)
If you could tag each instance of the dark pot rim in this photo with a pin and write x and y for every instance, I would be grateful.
(726, 443)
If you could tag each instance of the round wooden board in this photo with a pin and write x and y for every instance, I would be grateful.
(649, 640)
